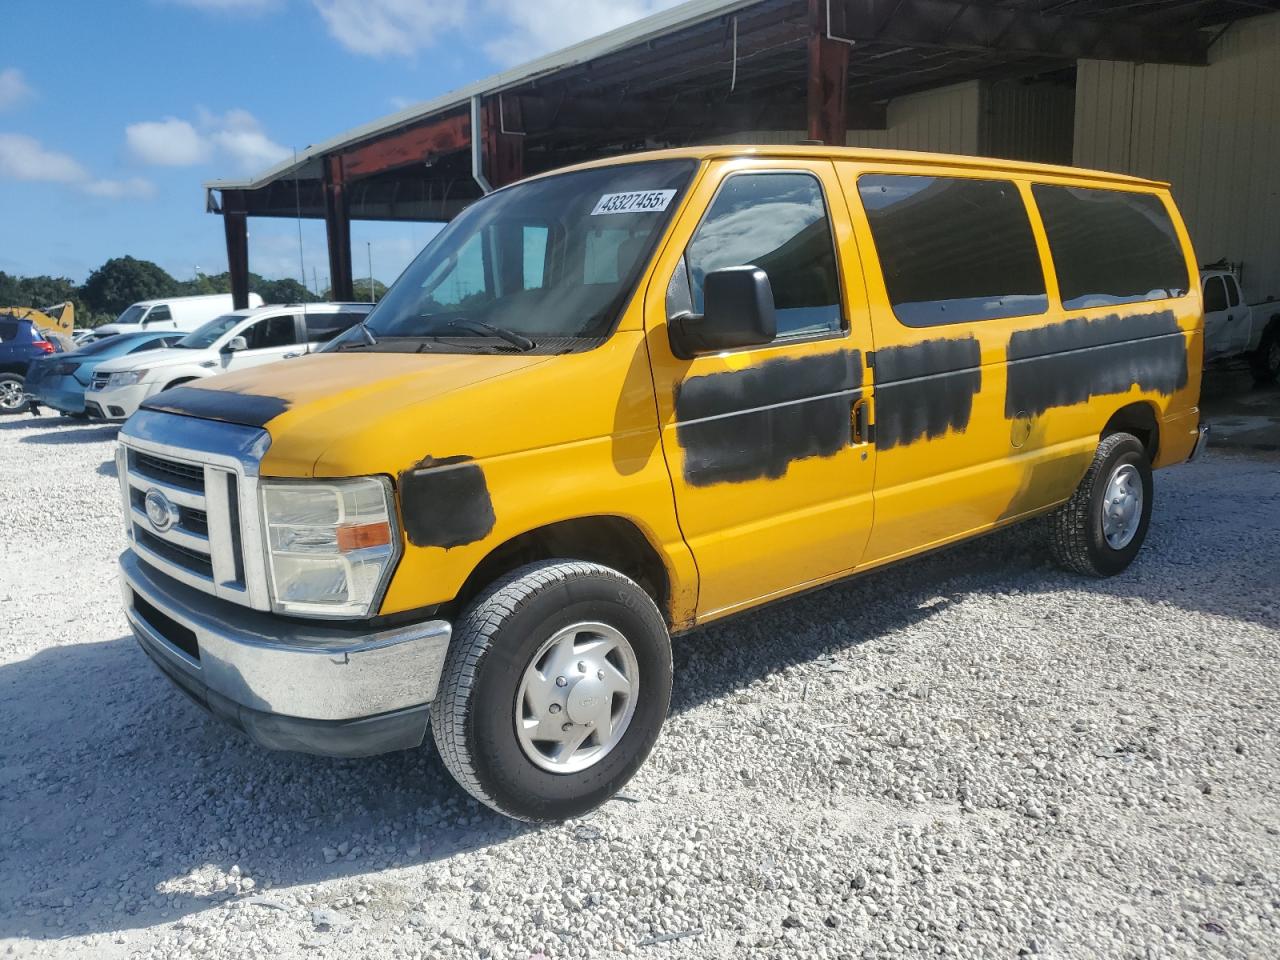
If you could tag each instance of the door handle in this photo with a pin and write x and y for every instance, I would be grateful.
(858, 420)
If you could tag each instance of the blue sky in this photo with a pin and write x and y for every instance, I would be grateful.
(112, 114)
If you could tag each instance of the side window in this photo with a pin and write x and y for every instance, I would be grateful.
(1111, 246)
(323, 327)
(1233, 291)
(272, 332)
(1215, 295)
(154, 344)
(158, 315)
(953, 250)
(534, 263)
(777, 222)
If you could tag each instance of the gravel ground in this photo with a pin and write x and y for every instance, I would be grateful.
(972, 755)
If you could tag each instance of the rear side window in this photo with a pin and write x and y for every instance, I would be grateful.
(323, 327)
(1215, 295)
(1111, 247)
(8, 330)
(777, 222)
(272, 332)
(953, 250)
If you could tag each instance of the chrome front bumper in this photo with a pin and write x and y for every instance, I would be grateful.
(320, 688)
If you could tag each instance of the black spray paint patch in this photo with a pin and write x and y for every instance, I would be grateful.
(751, 424)
(1067, 363)
(926, 389)
(445, 502)
(224, 405)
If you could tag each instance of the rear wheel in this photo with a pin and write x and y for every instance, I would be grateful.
(1265, 361)
(11, 394)
(556, 685)
(1100, 530)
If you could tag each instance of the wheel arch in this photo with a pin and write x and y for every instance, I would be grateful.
(1140, 419)
(611, 540)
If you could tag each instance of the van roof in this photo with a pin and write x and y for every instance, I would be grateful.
(822, 152)
(194, 296)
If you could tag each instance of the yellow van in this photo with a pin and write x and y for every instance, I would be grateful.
(615, 402)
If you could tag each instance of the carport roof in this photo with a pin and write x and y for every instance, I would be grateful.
(741, 65)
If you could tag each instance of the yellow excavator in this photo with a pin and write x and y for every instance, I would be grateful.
(59, 319)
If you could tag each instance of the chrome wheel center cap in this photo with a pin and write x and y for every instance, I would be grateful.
(587, 698)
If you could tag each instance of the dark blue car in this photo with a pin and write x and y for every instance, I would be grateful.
(21, 341)
(59, 381)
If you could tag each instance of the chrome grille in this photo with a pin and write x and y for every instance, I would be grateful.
(203, 531)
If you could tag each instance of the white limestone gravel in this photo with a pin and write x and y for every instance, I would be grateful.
(971, 755)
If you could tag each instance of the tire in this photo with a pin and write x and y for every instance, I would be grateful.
(11, 395)
(480, 700)
(1077, 538)
(1265, 361)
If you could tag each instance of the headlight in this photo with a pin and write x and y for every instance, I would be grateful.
(330, 544)
(126, 378)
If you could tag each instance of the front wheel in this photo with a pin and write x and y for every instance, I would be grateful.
(1100, 529)
(556, 685)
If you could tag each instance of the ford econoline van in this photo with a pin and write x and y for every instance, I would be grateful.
(616, 402)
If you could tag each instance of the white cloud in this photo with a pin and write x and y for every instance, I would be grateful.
(117, 189)
(13, 88)
(239, 135)
(523, 29)
(236, 136)
(537, 28)
(168, 143)
(381, 27)
(27, 159)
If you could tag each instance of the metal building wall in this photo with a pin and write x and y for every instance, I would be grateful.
(944, 120)
(1028, 121)
(1213, 132)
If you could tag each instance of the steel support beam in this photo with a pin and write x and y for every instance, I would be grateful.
(337, 222)
(503, 140)
(1005, 28)
(235, 224)
(828, 79)
(419, 144)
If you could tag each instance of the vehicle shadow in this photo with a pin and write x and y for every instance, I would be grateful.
(80, 434)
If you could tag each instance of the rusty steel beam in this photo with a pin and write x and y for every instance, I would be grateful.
(828, 79)
(420, 143)
(337, 224)
(235, 225)
(503, 151)
(1008, 28)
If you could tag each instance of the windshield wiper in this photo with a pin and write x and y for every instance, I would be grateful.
(517, 340)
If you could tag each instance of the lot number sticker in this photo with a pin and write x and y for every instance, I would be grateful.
(637, 201)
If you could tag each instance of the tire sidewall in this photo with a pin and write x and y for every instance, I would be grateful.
(509, 777)
(1107, 559)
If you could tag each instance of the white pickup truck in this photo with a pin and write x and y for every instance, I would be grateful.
(1234, 328)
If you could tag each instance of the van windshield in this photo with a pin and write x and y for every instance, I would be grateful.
(540, 266)
(132, 314)
(202, 338)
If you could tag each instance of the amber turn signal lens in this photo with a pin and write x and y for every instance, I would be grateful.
(358, 536)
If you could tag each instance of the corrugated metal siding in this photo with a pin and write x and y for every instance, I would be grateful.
(944, 120)
(1028, 121)
(1213, 132)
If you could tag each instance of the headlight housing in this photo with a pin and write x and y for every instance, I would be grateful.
(331, 544)
(126, 378)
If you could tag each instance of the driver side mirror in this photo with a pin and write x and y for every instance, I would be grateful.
(235, 345)
(738, 311)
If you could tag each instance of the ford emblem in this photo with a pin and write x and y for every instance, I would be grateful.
(160, 511)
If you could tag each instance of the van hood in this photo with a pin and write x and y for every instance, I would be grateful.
(333, 403)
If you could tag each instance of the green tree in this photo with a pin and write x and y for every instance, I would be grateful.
(360, 287)
(125, 280)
